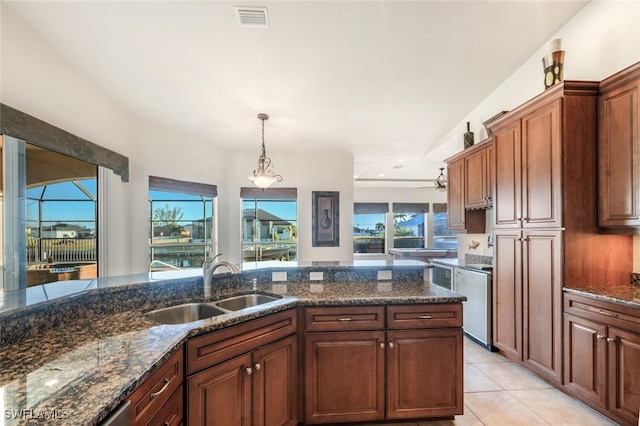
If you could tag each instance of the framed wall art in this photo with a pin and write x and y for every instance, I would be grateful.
(326, 219)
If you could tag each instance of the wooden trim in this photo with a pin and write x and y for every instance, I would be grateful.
(39, 133)
(173, 185)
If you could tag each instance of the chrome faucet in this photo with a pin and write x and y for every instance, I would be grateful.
(211, 266)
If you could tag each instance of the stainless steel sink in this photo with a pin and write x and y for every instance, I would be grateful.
(245, 301)
(187, 312)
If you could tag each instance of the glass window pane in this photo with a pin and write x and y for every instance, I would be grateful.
(408, 230)
(369, 233)
(269, 230)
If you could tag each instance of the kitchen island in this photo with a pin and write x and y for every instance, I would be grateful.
(98, 345)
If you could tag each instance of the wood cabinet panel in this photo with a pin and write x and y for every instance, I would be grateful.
(584, 358)
(340, 318)
(624, 374)
(221, 395)
(212, 348)
(541, 175)
(461, 220)
(424, 316)
(417, 358)
(156, 391)
(507, 204)
(275, 384)
(507, 293)
(478, 179)
(344, 375)
(542, 302)
(619, 150)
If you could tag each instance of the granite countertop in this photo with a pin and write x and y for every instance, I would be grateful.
(78, 372)
(624, 294)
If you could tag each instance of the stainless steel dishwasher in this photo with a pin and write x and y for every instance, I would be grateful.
(476, 311)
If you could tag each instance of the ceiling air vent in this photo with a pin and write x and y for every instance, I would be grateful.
(254, 17)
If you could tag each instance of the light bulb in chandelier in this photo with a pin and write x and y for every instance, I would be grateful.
(262, 176)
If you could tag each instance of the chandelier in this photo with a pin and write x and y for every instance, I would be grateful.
(441, 181)
(263, 177)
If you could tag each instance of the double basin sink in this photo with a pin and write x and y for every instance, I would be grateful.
(188, 312)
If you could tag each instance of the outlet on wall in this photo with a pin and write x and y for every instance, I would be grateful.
(279, 276)
(384, 275)
(316, 276)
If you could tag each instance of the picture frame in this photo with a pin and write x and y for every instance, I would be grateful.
(325, 219)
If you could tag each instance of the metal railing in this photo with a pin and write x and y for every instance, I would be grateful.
(57, 250)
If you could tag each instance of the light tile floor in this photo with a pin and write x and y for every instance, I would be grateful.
(498, 391)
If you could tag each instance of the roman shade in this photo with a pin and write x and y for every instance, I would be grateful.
(370, 208)
(252, 193)
(412, 208)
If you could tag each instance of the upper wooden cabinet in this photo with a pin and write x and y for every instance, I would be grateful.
(479, 177)
(469, 178)
(619, 150)
(528, 155)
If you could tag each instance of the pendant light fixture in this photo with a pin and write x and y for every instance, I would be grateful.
(263, 177)
(441, 181)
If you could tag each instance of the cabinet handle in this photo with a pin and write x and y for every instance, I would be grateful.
(256, 366)
(249, 371)
(610, 339)
(425, 316)
(609, 314)
(345, 319)
(164, 388)
(391, 345)
(599, 337)
(381, 345)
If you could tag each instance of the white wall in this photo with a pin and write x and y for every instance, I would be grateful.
(602, 39)
(38, 81)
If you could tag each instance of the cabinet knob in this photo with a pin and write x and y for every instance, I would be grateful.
(256, 366)
(610, 339)
(391, 345)
(381, 345)
(249, 370)
(599, 337)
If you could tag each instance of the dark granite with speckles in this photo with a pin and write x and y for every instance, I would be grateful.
(99, 346)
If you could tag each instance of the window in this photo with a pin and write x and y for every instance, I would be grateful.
(182, 224)
(54, 198)
(369, 227)
(269, 224)
(409, 225)
(442, 237)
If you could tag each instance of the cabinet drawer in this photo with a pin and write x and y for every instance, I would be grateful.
(344, 318)
(624, 317)
(219, 346)
(151, 395)
(424, 316)
(172, 412)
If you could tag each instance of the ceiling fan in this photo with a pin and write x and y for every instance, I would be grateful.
(439, 183)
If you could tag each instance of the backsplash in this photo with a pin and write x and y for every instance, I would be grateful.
(476, 258)
(635, 279)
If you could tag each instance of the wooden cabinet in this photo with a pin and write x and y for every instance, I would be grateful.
(528, 167)
(468, 189)
(602, 356)
(356, 373)
(619, 150)
(244, 375)
(478, 180)
(158, 400)
(545, 222)
(527, 303)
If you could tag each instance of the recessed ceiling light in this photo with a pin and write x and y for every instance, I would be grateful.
(381, 175)
(254, 17)
(398, 167)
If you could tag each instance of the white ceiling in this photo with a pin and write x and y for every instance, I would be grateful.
(383, 80)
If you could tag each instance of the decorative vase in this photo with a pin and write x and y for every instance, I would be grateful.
(325, 222)
(468, 137)
(553, 64)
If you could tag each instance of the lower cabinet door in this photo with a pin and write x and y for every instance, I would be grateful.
(221, 395)
(275, 384)
(424, 373)
(585, 358)
(344, 376)
(624, 374)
